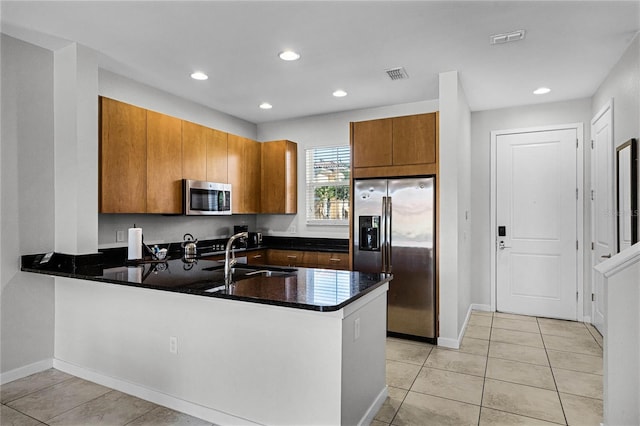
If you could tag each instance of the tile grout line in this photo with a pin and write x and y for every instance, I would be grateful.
(36, 390)
(26, 415)
(155, 406)
(486, 365)
(566, 422)
(409, 390)
(80, 405)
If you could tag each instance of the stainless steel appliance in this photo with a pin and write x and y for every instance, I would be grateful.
(255, 239)
(394, 232)
(205, 198)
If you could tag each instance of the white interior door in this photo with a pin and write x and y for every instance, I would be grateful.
(536, 213)
(602, 217)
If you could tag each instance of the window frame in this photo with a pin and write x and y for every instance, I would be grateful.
(311, 185)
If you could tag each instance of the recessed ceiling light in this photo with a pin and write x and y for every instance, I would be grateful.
(289, 55)
(266, 105)
(198, 75)
(541, 91)
(339, 93)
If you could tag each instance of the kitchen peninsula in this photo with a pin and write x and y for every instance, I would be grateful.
(294, 346)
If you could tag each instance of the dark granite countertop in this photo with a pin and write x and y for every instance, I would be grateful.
(302, 288)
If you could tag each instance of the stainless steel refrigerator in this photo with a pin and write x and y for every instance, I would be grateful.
(394, 232)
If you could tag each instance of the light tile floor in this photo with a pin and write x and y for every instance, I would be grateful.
(56, 398)
(509, 370)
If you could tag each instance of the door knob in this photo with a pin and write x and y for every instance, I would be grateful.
(606, 256)
(501, 246)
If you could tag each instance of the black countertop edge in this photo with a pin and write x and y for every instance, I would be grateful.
(219, 295)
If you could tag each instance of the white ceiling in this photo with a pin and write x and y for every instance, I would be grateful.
(569, 47)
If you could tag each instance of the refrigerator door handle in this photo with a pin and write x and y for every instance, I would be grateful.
(383, 243)
(388, 237)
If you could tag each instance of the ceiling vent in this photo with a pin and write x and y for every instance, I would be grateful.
(398, 73)
(507, 37)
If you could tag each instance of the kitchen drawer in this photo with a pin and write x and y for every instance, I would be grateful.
(257, 257)
(293, 258)
(333, 260)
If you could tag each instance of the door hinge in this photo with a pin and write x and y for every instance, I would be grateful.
(576, 143)
(576, 193)
(591, 143)
(592, 245)
(576, 244)
(593, 297)
(592, 195)
(577, 296)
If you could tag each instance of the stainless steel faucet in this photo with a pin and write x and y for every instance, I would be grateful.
(230, 257)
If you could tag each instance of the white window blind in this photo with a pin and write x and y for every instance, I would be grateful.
(328, 175)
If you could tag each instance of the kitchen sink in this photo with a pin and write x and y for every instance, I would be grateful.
(243, 272)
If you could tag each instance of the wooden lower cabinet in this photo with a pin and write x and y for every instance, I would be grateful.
(257, 257)
(333, 260)
(308, 259)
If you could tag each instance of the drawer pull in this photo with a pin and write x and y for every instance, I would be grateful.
(333, 259)
(291, 256)
(257, 256)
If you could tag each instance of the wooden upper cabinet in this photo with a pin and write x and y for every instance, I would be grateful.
(243, 171)
(251, 164)
(372, 143)
(123, 157)
(414, 139)
(217, 156)
(279, 192)
(194, 151)
(164, 164)
(398, 146)
(204, 153)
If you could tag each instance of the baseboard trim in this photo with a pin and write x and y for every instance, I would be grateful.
(450, 343)
(374, 408)
(480, 307)
(204, 413)
(25, 371)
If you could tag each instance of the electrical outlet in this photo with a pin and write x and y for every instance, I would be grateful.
(120, 236)
(292, 229)
(173, 345)
(356, 329)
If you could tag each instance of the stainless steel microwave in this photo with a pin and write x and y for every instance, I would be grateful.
(206, 198)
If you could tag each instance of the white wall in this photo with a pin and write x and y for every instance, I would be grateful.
(454, 238)
(622, 85)
(166, 229)
(159, 228)
(27, 204)
(316, 131)
(482, 123)
(76, 149)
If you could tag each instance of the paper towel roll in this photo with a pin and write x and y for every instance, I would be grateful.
(135, 244)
